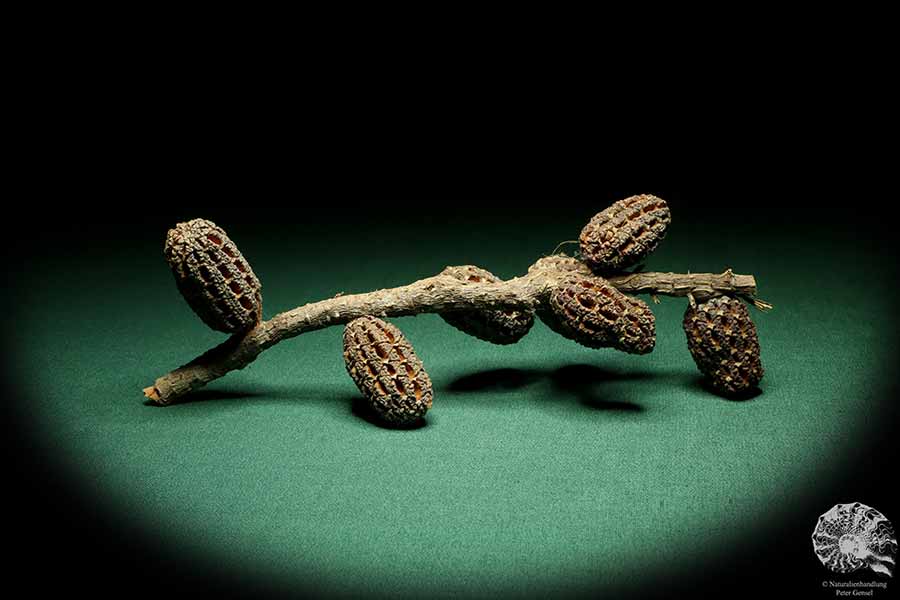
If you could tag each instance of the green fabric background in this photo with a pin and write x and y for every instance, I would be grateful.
(544, 467)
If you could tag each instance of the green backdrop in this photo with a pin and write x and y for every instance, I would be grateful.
(544, 467)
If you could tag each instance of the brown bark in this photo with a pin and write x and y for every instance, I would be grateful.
(431, 295)
(701, 285)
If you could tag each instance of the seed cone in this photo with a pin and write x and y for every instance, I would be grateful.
(495, 326)
(213, 276)
(724, 343)
(625, 233)
(590, 311)
(557, 262)
(387, 371)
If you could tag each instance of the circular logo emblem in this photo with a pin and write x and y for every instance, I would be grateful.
(854, 536)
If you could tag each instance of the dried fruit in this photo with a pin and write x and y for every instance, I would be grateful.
(592, 312)
(723, 341)
(556, 262)
(495, 326)
(213, 276)
(387, 371)
(625, 233)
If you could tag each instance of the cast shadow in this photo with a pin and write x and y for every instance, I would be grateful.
(360, 409)
(585, 383)
(213, 398)
(218, 398)
(495, 379)
(206, 395)
(582, 381)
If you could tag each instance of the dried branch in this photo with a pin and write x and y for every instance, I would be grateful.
(702, 286)
(431, 295)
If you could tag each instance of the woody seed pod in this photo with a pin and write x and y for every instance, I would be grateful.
(625, 233)
(495, 326)
(213, 276)
(724, 343)
(556, 262)
(590, 311)
(387, 371)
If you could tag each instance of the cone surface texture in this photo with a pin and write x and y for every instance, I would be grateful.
(495, 326)
(724, 343)
(213, 276)
(625, 233)
(590, 311)
(387, 371)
